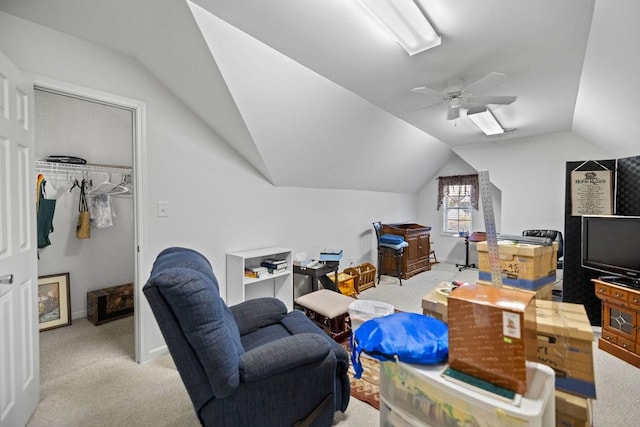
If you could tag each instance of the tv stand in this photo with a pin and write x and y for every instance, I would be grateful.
(620, 320)
(627, 282)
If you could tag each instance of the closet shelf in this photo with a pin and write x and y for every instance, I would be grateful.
(53, 167)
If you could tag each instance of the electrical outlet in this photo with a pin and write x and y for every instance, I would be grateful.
(163, 209)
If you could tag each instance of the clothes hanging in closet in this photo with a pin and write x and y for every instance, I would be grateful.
(45, 209)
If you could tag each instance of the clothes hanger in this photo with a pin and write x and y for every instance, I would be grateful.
(104, 187)
(75, 184)
(124, 188)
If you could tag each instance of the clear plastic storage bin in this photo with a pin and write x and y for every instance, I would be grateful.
(418, 395)
(362, 310)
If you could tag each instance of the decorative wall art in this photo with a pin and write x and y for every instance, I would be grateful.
(591, 192)
(54, 308)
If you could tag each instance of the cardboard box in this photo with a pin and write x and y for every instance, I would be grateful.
(572, 410)
(105, 305)
(492, 334)
(565, 343)
(434, 304)
(544, 292)
(521, 261)
(529, 285)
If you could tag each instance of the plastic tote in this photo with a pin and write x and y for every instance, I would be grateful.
(362, 310)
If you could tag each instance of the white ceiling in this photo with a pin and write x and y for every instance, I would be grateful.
(314, 94)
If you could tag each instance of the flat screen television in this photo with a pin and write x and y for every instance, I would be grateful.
(611, 244)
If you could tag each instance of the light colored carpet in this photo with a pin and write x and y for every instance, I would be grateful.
(88, 375)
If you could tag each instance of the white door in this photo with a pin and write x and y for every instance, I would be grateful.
(19, 362)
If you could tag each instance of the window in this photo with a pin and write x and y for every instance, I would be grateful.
(457, 211)
(459, 195)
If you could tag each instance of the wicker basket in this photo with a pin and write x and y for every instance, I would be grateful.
(365, 276)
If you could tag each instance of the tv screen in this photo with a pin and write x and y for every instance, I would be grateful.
(611, 244)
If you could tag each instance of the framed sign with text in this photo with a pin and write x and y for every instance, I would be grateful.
(591, 192)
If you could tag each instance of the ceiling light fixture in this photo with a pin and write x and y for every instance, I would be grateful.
(405, 21)
(485, 120)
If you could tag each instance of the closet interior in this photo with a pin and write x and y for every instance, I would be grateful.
(102, 135)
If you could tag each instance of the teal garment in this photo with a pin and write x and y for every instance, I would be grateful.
(46, 209)
(407, 337)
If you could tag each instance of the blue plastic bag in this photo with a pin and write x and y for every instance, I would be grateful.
(408, 337)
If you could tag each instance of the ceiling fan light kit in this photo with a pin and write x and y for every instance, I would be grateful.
(485, 120)
(458, 96)
(405, 21)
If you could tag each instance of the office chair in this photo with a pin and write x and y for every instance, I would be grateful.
(555, 236)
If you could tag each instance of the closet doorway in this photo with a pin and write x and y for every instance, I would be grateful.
(105, 131)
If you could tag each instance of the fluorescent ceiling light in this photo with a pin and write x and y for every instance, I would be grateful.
(405, 21)
(485, 120)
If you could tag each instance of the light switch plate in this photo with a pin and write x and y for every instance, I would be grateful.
(163, 209)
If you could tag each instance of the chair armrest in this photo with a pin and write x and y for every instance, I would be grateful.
(282, 355)
(254, 314)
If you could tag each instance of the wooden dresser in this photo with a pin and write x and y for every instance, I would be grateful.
(620, 320)
(415, 258)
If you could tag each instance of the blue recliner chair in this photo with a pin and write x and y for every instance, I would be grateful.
(252, 364)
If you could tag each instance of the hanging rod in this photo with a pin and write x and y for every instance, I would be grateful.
(54, 167)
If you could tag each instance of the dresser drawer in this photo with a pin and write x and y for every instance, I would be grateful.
(601, 290)
(619, 294)
(634, 301)
(626, 344)
(608, 336)
(417, 266)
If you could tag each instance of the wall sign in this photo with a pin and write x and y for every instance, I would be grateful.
(591, 192)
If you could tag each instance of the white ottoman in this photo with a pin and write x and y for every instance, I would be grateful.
(329, 310)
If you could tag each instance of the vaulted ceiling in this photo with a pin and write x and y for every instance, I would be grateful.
(314, 94)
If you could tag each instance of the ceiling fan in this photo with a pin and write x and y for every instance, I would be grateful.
(458, 95)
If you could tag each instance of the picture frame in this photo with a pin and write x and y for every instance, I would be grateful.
(54, 301)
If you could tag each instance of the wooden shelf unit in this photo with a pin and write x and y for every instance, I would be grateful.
(241, 288)
(620, 320)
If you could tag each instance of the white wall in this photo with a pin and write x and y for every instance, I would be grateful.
(217, 202)
(448, 247)
(530, 173)
(528, 176)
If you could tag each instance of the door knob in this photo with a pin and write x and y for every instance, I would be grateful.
(7, 279)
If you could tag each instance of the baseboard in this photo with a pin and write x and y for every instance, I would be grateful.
(78, 314)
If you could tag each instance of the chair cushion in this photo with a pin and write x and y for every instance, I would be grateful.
(325, 302)
(400, 245)
(391, 239)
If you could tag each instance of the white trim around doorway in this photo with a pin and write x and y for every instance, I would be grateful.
(138, 109)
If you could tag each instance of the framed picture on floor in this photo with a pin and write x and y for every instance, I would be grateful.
(54, 302)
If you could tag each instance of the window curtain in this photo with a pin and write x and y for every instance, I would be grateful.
(472, 180)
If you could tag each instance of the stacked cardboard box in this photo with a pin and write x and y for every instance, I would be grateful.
(565, 343)
(572, 410)
(434, 304)
(524, 266)
(492, 334)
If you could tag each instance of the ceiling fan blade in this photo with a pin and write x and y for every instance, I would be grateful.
(425, 106)
(484, 100)
(453, 113)
(424, 90)
(486, 82)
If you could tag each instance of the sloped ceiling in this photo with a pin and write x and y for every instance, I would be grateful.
(309, 130)
(607, 110)
(313, 94)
